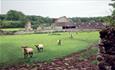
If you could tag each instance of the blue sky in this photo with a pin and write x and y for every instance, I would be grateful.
(58, 8)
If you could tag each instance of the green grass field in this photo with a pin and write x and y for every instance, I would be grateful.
(11, 51)
(12, 29)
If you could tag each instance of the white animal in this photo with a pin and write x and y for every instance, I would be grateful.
(40, 47)
(27, 51)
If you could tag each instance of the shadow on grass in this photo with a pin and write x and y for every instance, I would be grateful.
(9, 54)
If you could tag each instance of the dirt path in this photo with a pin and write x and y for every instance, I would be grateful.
(71, 62)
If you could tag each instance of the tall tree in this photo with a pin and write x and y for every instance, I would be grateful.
(2, 16)
(112, 17)
(14, 15)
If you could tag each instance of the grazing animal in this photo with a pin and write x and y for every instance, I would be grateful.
(27, 51)
(40, 47)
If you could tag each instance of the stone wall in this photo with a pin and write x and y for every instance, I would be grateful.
(7, 32)
(106, 55)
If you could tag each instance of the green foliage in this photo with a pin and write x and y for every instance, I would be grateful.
(17, 16)
(32, 18)
(18, 19)
(87, 19)
(107, 20)
(111, 19)
(2, 17)
(14, 15)
(1, 24)
(11, 52)
(112, 4)
(113, 14)
(13, 24)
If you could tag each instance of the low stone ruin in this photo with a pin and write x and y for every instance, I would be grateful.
(106, 55)
(28, 26)
(7, 32)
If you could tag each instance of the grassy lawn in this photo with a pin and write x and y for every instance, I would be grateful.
(11, 52)
(12, 29)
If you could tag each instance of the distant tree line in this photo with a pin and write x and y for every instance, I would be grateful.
(17, 19)
(87, 19)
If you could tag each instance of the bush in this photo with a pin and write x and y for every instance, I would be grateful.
(12, 24)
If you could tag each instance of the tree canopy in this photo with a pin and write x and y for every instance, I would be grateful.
(14, 15)
(18, 19)
(111, 19)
